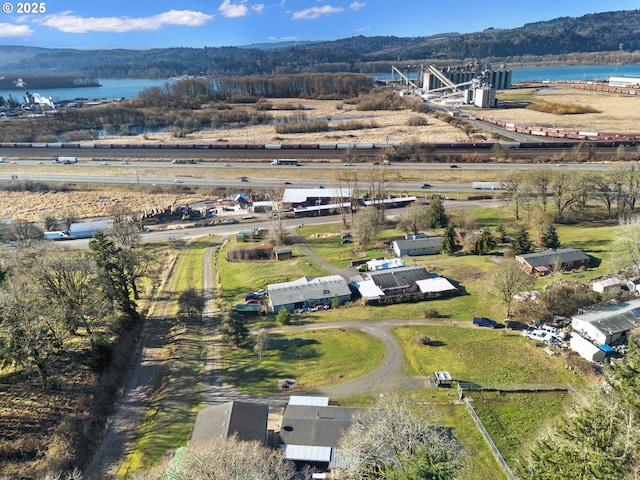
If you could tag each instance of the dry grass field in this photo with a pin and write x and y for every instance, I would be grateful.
(391, 124)
(617, 113)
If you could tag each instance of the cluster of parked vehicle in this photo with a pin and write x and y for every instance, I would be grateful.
(255, 297)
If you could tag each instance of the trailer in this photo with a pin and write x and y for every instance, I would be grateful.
(487, 185)
(87, 229)
(285, 161)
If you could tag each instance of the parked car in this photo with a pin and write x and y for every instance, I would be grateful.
(485, 322)
(252, 301)
(260, 292)
(252, 296)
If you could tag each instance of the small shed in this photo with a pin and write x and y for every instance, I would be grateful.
(285, 254)
(607, 285)
(443, 379)
(586, 349)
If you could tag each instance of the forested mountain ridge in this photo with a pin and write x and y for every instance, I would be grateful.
(601, 32)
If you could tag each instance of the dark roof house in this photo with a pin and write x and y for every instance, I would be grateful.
(246, 420)
(541, 263)
(312, 433)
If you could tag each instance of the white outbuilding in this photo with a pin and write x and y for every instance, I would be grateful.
(607, 285)
(609, 323)
(586, 349)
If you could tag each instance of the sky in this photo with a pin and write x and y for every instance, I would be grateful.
(216, 23)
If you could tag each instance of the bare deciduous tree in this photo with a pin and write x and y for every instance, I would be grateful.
(226, 459)
(506, 280)
(388, 438)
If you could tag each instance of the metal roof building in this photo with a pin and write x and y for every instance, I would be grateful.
(391, 281)
(247, 420)
(312, 432)
(610, 323)
(417, 246)
(307, 292)
(304, 195)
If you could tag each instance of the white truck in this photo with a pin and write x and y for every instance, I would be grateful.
(65, 160)
(285, 161)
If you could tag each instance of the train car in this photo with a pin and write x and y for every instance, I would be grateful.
(219, 146)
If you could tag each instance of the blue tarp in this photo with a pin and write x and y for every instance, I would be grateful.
(606, 349)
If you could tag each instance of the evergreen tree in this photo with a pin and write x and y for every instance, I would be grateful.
(521, 242)
(233, 329)
(436, 216)
(448, 245)
(624, 374)
(549, 238)
(485, 242)
(595, 440)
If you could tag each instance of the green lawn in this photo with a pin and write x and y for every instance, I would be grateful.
(513, 420)
(310, 358)
(482, 464)
(481, 355)
(240, 278)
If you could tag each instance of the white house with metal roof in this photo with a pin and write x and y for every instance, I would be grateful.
(307, 292)
(609, 323)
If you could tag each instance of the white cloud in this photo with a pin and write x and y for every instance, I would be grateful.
(232, 10)
(9, 30)
(258, 8)
(315, 12)
(356, 5)
(69, 23)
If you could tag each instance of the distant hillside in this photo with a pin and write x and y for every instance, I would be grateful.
(602, 32)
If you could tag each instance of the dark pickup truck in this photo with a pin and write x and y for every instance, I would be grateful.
(485, 322)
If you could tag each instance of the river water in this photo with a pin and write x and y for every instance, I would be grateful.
(129, 88)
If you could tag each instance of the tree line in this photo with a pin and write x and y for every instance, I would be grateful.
(71, 314)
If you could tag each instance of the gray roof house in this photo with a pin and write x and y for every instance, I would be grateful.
(608, 324)
(416, 246)
(541, 263)
(307, 292)
(246, 420)
(396, 281)
(312, 432)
